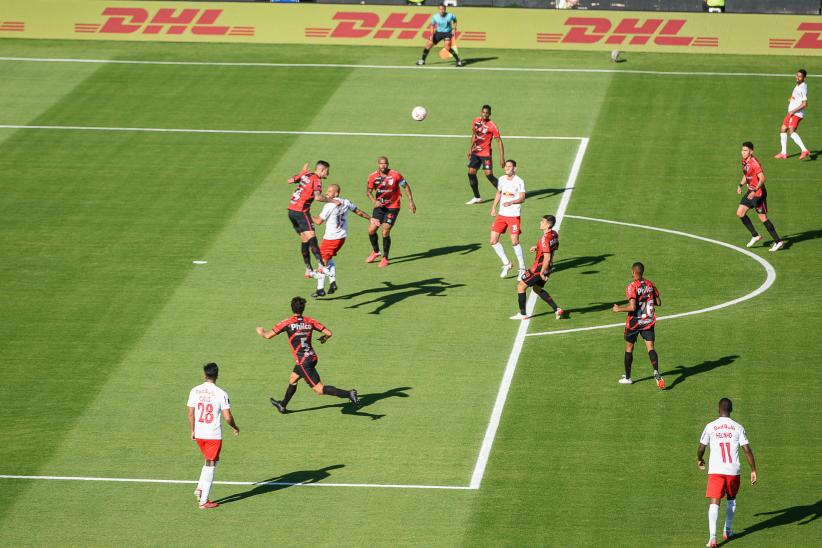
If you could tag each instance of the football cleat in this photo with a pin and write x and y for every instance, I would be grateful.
(753, 241)
(625, 380)
(777, 246)
(308, 273)
(278, 405)
(660, 382)
(373, 257)
(711, 543)
(209, 504)
(506, 268)
(559, 313)
(332, 288)
(726, 534)
(474, 201)
(780, 156)
(383, 262)
(318, 293)
(519, 316)
(353, 396)
(460, 63)
(805, 154)
(420, 62)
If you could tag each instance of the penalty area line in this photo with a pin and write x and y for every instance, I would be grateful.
(519, 340)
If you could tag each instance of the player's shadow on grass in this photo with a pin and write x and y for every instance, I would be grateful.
(432, 287)
(437, 252)
(282, 482)
(348, 408)
(544, 192)
(800, 237)
(685, 371)
(592, 307)
(800, 515)
(475, 60)
(579, 262)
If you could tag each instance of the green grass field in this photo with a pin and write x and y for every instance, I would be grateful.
(106, 322)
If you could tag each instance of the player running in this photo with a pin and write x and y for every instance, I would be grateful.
(537, 276)
(299, 329)
(510, 196)
(309, 188)
(206, 403)
(796, 113)
(756, 197)
(384, 192)
(483, 131)
(336, 232)
(724, 436)
(643, 298)
(443, 27)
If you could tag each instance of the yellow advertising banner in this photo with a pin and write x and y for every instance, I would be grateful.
(407, 26)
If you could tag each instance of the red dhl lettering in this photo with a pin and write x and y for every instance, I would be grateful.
(395, 26)
(162, 21)
(810, 39)
(629, 30)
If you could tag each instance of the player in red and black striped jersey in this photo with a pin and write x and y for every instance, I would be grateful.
(537, 276)
(309, 188)
(755, 197)
(483, 131)
(383, 189)
(299, 329)
(643, 298)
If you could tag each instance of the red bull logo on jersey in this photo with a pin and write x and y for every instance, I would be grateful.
(170, 21)
(632, 31)
(393, 27)
(809, 39)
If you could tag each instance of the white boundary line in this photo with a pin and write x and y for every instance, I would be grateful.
(394, 67)
(282, 132)
(769, 278)
(511, 366)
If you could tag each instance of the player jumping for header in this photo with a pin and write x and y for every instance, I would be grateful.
(309, 188)
(537, 276)
(643, 298)
(299, 329)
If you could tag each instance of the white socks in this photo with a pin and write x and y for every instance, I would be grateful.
(500, 253)
(331, 268)
(798, 141)
(729, 517)
(713, 514)
(204, 485)
(520, 258)
(783, 139)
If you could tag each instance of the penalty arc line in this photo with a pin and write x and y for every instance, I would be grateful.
(770, 277)
(394, 67)
(513, 358)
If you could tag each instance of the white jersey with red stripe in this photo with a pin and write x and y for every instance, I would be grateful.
(799, 95)
(336, 219)
(208, 401)
(724, 436)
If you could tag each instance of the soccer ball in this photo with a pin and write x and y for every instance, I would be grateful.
(419, 114)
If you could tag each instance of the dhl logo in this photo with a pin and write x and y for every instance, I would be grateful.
(401, 26)
(808, 40)
(630, 30)
(12, 26)
(163, 21)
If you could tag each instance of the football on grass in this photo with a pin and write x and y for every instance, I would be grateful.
(419, 113)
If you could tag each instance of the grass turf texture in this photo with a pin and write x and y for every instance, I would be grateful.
(106, 321)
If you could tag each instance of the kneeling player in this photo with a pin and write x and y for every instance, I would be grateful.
(299, 329)
(336, 231)
(536, 276)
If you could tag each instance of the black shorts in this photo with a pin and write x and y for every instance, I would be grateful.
(440, 36)
(632, 334)
(533, 279)
(759, 204)
(486, 162)
(387, 215)
(307, 370)
(301, 221)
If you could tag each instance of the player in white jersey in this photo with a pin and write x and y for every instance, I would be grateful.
(510, 195)
(335, 215)
(206, 403)
(796, 113)
(724, 436)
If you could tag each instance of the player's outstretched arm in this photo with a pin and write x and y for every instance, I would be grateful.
(360, 213)
(411, 205)
(317, 220)
(751, 462)
(229, 418)
(266, 334)
(320, 197)
(191, 421)
(298, 176)
(700, 457)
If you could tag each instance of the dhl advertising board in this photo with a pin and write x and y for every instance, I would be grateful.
(406, 26)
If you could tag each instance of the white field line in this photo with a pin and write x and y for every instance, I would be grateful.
(307, 484)
(511, 366)
(282, 132)
(769, 278)
(395, 67)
